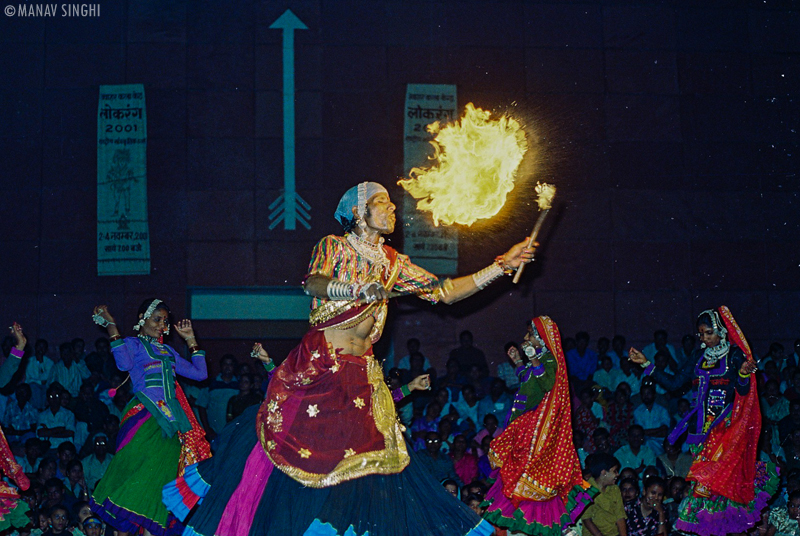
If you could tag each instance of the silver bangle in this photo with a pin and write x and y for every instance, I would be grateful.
(339, 290)
(487, 275)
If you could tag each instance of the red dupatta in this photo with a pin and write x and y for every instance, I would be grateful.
(727, 464)
(535, 453)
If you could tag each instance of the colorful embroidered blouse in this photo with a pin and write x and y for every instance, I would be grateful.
(152, 367)
(334, 257)
(535, 382)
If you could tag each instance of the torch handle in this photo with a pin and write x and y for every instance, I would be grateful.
(536, 228)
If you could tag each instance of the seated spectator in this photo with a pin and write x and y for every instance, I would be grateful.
(685, 356)
(55, 423)
(467, 408)
(66, 452)
(602, 441)
(75, 482)
(467, 355)
(484, 465)
(58, 520)
(676, 491)
(784, 519)
(584, 419)
(653, 418)
(221, 389)
(453, 380)
(90, 410)
(631, 374)
(451, 486)
(603, 347)
(46, 470)
(34, 450)
(674, 462)
(606, 515)
(774, 407)
(20, 417)
(636, 454)
(629, 489)
(474, 503)
(770, 372)
(646, 516)
(37, 374)
(628, 472)
(67, 372)
(490, 429)
(79, 350)
(41, 521)
(422, 425)
(416, 367)
(443, 398)
(93, 526)
(619, 415)
(659, 344)
(464, 463)
(581, 360)
(579, 439)
(774, 355)
(58, 495)
(446, 433)
(95, 465)
(683, 410)
(650, 471)
(506, 370)
(481, 381)
(497, 402)
(412, 345)
(438, 464)
(248, 396)
(607, 376)
(101, 362)
(618, 352)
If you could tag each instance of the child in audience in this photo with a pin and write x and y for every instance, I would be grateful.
(629, 489)
(606, 516)
(646, 516)
(59, 520)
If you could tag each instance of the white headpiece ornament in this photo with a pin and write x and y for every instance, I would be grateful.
(147, 314)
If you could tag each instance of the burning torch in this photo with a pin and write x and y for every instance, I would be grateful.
(545, 201)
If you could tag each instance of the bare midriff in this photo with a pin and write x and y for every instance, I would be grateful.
(353, 341)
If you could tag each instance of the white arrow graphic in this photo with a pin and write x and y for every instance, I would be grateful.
(289, 207)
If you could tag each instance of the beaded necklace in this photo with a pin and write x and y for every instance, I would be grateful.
(374, 253)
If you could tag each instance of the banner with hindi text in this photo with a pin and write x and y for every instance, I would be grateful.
(433, 248)
(123, 238)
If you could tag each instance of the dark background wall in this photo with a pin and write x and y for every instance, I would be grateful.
(669, 127)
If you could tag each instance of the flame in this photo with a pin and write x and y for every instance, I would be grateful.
(546, 194)
(476, 160)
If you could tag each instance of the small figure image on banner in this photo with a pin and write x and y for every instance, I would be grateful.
(123, 238)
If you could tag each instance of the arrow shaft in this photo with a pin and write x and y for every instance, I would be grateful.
(288, 128)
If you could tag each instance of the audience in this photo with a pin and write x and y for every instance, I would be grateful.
(66, 405)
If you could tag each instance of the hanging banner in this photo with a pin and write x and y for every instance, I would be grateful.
(123, 239)
(433, 248)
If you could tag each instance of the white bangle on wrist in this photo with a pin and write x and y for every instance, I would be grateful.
(483, 277)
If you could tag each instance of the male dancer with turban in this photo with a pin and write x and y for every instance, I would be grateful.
(328, 423)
